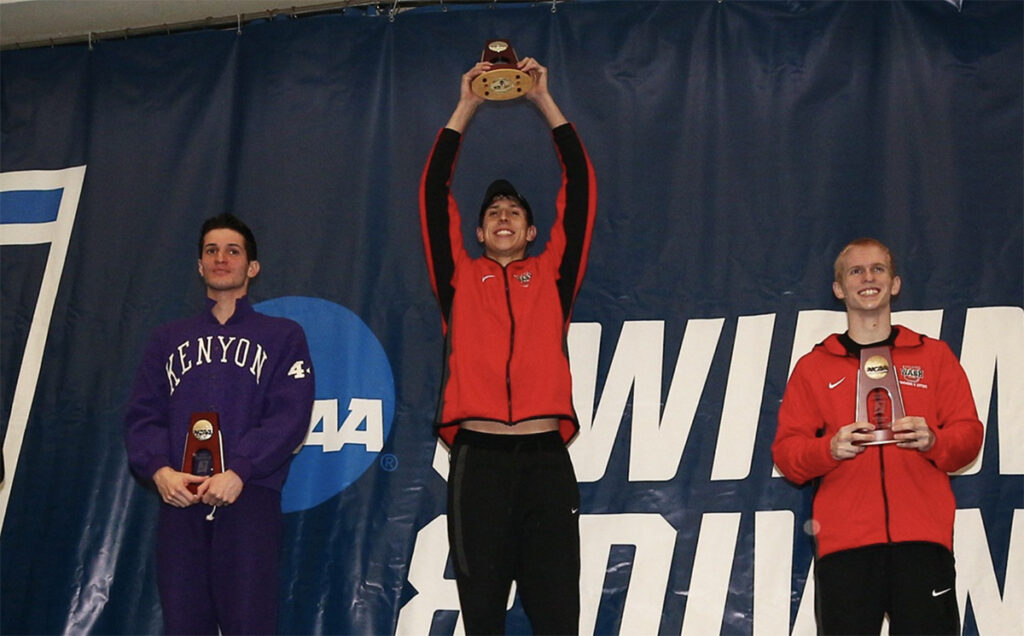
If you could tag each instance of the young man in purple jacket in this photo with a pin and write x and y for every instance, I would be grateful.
(218, 536)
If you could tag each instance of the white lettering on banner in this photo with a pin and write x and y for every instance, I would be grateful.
(992, 336)
(657, 439)
(654, 539)
(709, 585)
(651, 534)
(743, 393)
(56, 233)
(709, 582)
(994, 347)
(976, 578)
(332, 437)
(434, 592)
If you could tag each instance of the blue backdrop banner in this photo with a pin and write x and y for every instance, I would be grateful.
(737, 147)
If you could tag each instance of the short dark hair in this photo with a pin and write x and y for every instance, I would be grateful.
(229, 221)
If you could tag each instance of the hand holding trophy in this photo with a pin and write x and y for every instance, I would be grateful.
(504, 78)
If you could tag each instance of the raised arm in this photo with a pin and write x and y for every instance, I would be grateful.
(539, 94)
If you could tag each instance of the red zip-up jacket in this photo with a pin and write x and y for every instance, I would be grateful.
(505, 327)
(886, 494)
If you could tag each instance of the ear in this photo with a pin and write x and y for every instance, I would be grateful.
(897, 284)
(200, 268)
(479, 235)
(837, 289)
(531, 233)
(254, 269)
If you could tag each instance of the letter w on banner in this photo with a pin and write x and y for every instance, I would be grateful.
(36, 207)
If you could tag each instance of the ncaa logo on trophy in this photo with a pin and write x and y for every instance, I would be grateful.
(879, 400)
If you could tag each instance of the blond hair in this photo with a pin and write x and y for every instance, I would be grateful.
(862, 242)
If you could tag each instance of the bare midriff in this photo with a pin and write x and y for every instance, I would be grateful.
(528, 427)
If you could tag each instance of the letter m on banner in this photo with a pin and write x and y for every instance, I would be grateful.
(37, 207)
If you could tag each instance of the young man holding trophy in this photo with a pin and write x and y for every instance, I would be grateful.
(879, 415)
(221, 400)
(506, 405)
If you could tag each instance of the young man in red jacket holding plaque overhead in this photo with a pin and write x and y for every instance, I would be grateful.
(246, 376)
(506, 404)
(883, 512)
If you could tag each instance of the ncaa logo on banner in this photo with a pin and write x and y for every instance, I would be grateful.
(355, 401)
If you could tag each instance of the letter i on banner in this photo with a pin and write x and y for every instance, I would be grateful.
(37, 207)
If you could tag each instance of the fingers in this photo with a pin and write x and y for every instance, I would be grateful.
(478, 68)
(913, 432)
(845, 443)
(848, 442)
(221, 490)
(529, 64)
(173, 487)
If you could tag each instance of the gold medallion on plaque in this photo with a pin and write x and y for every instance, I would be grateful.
(504, 80)
(204, 449)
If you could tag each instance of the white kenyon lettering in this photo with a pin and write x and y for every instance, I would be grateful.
(181, 361)
(205, 346)
(224, 345)
(242, 352)
(186, 364)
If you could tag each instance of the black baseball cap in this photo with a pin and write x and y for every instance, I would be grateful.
(503, 188)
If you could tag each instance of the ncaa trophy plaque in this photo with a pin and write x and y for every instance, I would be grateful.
(504, 80)
(204, 450)
(878, 395)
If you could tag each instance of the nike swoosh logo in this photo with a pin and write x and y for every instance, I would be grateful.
(484, 279)
(940, 593)
(832, 385)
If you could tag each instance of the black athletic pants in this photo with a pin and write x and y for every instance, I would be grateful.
(513, 514)
(914, 583)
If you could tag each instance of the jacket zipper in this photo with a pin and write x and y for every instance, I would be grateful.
(511, 344)
(885, 494)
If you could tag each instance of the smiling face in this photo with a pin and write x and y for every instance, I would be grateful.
(864, 278)
(504, 230)
(224, 264)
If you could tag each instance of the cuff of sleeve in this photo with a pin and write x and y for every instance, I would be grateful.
(937, 453)
(829, 462)
(562, 130)
(156, 464)
(242, 468)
